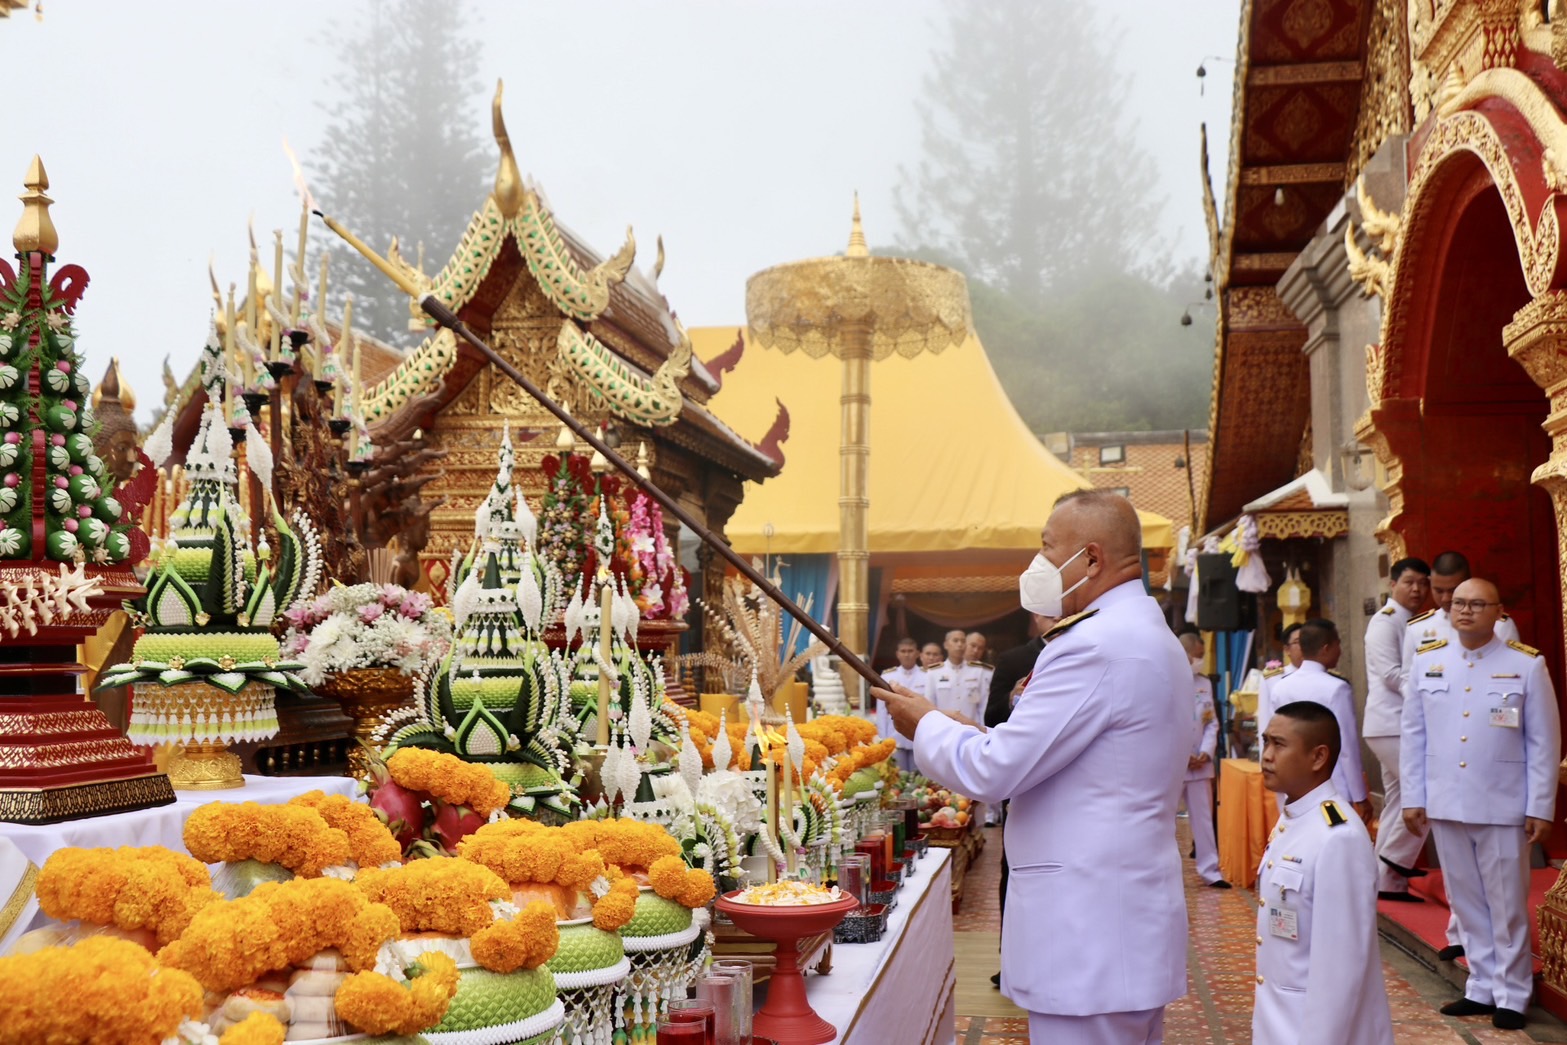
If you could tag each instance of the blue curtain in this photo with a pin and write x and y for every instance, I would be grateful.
(815, 576)
(1232, 651)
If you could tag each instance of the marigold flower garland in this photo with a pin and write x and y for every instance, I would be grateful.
(449, 778)
(259, 1028)
(523, 851)
(234, 943)
(440, 895)
(377, 1004)
(104, 990)
(525, 941)
(673, 880)
(129, 888)
(618, 906)
(295, 836)
(370, 844)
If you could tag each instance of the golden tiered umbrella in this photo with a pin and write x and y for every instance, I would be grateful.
(859, 307)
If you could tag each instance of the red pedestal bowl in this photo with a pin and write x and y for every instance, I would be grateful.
(787, 1017)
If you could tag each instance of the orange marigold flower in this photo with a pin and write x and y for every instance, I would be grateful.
(259, 1028)
(618, 906)
(449, 778)
(521, 852)
(103, 990)
(673, 880)
(297, 837)
(441, 895)
(377, 1004)
(129, 888)
(524, 942)
(370, 844)
(233, 943)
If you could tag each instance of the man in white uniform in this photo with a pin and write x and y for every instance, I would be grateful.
(1199, 766)
(1319, 966)
(910, 675)
(1320, 650)
(1092, 758)
(1270, 676)
(1408, 588)
(1448, 571)
(931, 655)
(955, 685)
(975, 648)
(1480, 747)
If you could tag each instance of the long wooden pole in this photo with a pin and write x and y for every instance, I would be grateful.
(438, 311)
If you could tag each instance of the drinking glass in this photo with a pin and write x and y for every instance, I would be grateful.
(854, 877)
(672, 1032)
(693, 1012)
(739, 973)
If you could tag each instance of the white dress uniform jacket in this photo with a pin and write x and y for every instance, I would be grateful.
(1199, 781)
(1319, 967)
(1266, 702)
(1205, 728)
(1434, 624)
(1481, 734)
(1314, 682)
(910, 678)
(1092, 759)
(1385, 671)
(957, 687)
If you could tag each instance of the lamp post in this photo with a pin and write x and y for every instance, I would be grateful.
(860, 308)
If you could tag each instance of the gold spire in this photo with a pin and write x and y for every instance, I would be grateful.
(36, 229)
(857, 247)
(508, 177)
(114, 387)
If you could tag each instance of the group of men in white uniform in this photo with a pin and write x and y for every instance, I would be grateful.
(1463, 720)
(959, 683)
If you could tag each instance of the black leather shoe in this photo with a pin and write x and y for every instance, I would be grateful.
(1220, 884)
(1465, 1007)
(1449, 953)
(1398, 897)
(1193, 854)
(1508, 1019)
(995, 981)
(1407, 872)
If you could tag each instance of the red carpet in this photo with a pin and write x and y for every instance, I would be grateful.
(1428, 920)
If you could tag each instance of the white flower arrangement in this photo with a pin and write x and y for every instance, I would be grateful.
(366, 626)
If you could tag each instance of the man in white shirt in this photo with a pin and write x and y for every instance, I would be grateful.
(1409, 585)
(1266, 701)
(931, 655)
(909, 675)
(1199, 767)
(975, 648)
(1448, 571)
(955, 684)
(1315, 681)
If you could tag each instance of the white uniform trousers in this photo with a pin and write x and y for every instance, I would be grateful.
(1487, 878)
(1145, 1027)
(1395, 841)
(1199, 807)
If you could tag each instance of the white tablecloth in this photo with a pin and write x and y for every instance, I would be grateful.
(901, 988)
(162, 825)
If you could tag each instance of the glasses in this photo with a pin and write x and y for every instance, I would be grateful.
(1472, 604)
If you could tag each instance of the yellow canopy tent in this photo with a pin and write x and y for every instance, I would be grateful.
(953, 466)
(959, 486)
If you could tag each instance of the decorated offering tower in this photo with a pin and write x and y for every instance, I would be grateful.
(67, 545)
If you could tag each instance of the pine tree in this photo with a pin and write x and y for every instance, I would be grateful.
(405, 153)
(1030, 171)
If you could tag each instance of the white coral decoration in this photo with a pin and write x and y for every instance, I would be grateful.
(463, 601)
(627, 774)
(530, 600)
(258, 456)
(723, 754)
(795, 742)
(527, 520)
(161, 442)
(691, 759)
(46, 598)
(641, 725)
(575, 616)
(609, 770)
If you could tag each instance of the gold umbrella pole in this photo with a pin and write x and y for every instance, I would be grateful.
(854, 555)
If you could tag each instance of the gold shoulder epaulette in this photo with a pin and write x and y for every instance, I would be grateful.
(1338, 675)
(1333, 815)
(1270, 673)
(1521, 648)
(1433, 644)
(1064, 623)
(1423, 616)
(1388, 609)
(1505, 616)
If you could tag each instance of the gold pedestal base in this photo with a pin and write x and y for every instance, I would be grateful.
(205, 767)
(369, 696)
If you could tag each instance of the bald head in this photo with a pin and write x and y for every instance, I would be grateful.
(1474, 612)
(1193, 643)
(1096, 540)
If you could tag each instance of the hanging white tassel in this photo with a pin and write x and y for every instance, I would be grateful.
(723, 754)
(258, 456)
(691, 760)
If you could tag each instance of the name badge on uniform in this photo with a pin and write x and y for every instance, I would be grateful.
(1283, 922)
(1505, 717)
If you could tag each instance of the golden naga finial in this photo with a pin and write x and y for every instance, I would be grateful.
(508, 190)
(857, 247)
(36, 229)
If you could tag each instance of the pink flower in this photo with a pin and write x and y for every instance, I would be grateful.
(370, 612)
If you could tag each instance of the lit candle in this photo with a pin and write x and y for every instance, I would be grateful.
(277, 291)
(606, 633)
(299, 259)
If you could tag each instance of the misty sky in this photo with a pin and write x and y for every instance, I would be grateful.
(737, 130)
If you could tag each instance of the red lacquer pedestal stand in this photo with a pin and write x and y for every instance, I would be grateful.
(788, 1017)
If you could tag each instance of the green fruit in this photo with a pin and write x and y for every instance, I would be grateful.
(108, 509)
(61, 546)
(117, 545)
(92, 532)
(79, 446)
(60, 418)
(84, 488)
(490, 999)
(584, 948)
(657, 916)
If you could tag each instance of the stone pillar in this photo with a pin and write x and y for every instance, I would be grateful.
(1537, 339)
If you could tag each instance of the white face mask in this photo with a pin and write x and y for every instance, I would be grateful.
(1039, 586)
